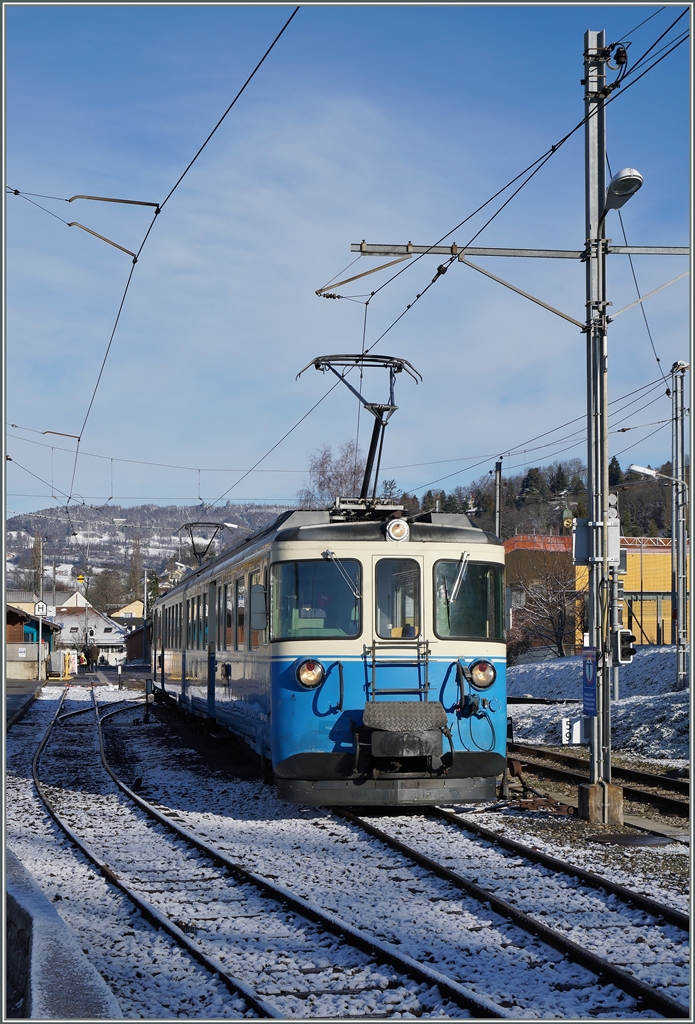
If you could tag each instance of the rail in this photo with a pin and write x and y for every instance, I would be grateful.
(651, 997)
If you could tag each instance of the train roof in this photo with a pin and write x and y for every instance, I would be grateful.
(326, 525)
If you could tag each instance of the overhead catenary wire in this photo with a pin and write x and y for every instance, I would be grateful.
(651, 386)
(159, 208)
(633, 66)
(631, 30)
(543, 158)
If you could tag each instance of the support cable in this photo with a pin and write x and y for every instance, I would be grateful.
(541, 161)
(267, 52)
(159, 208)
(639, 294)
(630, 31)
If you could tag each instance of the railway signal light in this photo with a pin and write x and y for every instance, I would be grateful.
(624, 651)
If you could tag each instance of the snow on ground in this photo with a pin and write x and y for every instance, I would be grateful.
(653, 671)
(650, 719)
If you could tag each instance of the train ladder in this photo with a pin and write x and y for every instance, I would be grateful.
(420, 649)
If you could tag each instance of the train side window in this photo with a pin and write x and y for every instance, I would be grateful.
(255, 635)
(219, 594)
(204, 643)
(397, 598)
(188, 624)
(229, 617)
(198, 623)
(240, 614)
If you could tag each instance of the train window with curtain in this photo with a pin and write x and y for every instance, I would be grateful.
(198, 622)
(318, 598)
(204, 644)
(240, 639)
(398, 598)
(188, 624)
(254, 634)
(219, 593)
(229, 634)
(469, 600)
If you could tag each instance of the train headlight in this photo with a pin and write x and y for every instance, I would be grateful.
(397, 530)
(310, 673)
(483, 674)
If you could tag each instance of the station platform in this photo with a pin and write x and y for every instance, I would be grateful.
(19, 694)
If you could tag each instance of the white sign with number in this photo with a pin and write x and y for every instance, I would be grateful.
(41, 608)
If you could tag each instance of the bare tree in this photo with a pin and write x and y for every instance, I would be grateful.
(546, 604)
(332, 475)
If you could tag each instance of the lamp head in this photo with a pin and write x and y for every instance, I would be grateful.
(644, 470)
(622, 186)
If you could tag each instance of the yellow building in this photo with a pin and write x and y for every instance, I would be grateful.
(134, 610)
(647, 588)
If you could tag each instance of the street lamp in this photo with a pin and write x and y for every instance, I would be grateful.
(648, 471)
(622, 187)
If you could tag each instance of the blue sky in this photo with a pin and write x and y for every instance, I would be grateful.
(388, 123)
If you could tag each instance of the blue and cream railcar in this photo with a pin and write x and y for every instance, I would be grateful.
(364, 658)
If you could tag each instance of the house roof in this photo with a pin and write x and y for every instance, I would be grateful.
(537, 542)
(28, 617)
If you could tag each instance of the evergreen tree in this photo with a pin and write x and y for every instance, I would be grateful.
(615, 473)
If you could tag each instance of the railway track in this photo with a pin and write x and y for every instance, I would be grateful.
(292, 940)
(401, 994)
(643, 994)
(150, 974)
(604, 968)
(576, 771)
(659, 911)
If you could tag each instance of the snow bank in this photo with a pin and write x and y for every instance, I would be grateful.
(650, 719)
(655, 727)
(653, 671)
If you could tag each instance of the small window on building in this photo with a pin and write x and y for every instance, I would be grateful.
(108, 629)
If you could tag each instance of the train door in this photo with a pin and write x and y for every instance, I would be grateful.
(211, 634)
(398, 659)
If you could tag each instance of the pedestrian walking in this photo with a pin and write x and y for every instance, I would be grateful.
(93, 657)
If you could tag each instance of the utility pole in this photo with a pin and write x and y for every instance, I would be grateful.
(145, 652)
(679, 540)
(595, 799)
(498, 496)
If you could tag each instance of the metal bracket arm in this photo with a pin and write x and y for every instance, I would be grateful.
(539, 302)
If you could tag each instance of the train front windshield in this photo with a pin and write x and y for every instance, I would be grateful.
(315, 598)
(469, 600)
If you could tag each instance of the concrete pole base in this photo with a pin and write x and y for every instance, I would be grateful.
(591, 803)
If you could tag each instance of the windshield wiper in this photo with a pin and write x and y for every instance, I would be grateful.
(460, 575)
(343, 572)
